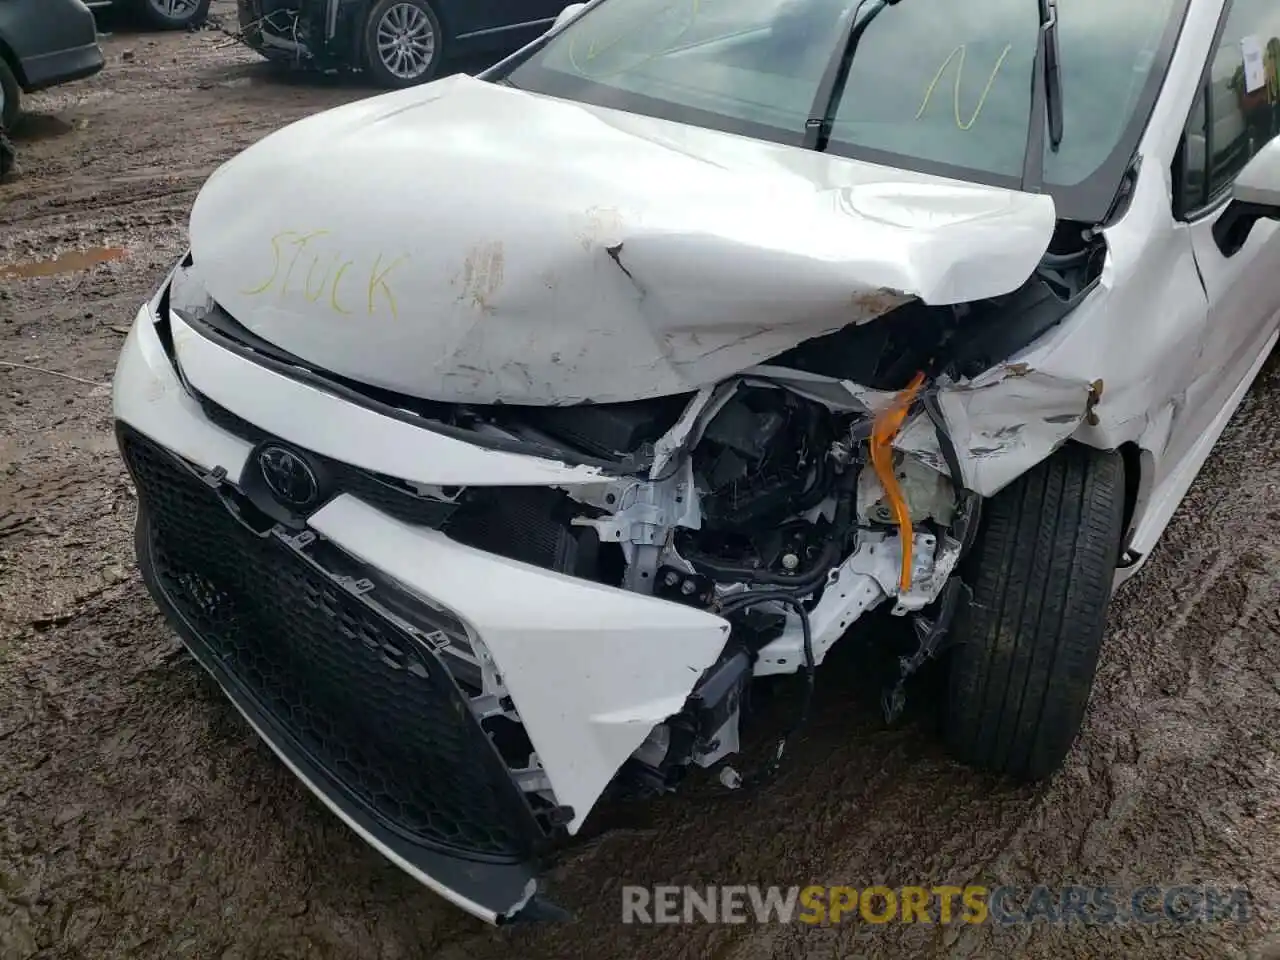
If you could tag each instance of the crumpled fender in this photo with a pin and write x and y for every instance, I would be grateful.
(1001, 423)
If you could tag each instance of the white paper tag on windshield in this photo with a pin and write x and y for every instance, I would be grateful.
(1255, 74)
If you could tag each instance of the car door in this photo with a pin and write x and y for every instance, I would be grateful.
(1236, 113)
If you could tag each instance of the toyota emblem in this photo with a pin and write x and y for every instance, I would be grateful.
(289, 477)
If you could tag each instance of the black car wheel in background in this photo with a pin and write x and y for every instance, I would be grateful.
(10, 96)
(397, 43)
(173, 14)
(403, 42)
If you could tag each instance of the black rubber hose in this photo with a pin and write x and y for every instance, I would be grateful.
(945, 443)
(817, 491)
(1054, 260)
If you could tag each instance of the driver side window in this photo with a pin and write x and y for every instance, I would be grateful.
(1237, 110)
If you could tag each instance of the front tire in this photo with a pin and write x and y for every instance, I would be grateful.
(1027, 649)
(174, 14)
(10, 97)
(403, 43)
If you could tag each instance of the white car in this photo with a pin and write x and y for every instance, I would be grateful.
(496, 434)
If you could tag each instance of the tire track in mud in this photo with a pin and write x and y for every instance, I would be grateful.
(141, 818)
(176, 196)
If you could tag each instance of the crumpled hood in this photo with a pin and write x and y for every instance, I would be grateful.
(468, 242)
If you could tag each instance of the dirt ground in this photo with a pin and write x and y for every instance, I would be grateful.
(140, 817)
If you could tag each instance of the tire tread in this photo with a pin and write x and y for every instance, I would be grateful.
(12, 95)
(1041, 573)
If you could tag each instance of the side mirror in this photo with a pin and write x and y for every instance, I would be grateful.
(1254, 196)
(1259, 182)
(567, 14)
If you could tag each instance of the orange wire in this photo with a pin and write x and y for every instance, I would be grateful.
(886, 427)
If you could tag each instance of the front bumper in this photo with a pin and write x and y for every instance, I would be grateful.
(62, 66)
(590, 669)
(318, 33)
(55, 41)
(409, 769)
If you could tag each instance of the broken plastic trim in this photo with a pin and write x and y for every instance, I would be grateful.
(932, 636)
(743, 602)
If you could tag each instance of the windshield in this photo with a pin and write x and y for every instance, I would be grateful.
(935, 85)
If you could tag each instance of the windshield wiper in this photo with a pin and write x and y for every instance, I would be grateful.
(822, 115)
(1046, 98)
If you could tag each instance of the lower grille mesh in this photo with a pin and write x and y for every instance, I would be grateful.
(359, 694)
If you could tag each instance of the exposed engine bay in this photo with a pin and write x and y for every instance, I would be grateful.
(771, 513)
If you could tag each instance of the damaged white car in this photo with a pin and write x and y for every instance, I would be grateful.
(495, 435)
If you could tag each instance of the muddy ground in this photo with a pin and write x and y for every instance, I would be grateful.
(139, 816)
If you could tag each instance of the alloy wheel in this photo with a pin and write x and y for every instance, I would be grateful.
(174, 9)
(406, 41)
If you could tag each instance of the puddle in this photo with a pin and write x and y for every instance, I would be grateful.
(67, 263)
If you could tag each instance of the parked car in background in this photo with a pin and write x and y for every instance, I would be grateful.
(43, 43)
(399, 43)
(161, 14)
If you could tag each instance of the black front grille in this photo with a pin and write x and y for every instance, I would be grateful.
(387, 494)
(529, 524)
(357, 689)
